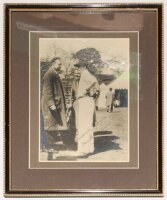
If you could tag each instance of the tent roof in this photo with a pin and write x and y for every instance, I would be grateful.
(122, 82)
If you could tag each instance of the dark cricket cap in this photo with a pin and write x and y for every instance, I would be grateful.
(80, 63)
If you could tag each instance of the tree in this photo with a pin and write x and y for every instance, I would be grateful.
(92, 57)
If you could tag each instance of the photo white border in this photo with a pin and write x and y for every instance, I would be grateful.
(128, 109)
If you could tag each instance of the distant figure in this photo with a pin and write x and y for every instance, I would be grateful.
(110, 96)
(117, 99)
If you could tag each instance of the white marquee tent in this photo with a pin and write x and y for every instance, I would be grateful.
(122, 82)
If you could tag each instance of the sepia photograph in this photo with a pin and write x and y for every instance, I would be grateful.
(84, 99)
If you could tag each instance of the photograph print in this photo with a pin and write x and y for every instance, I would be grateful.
(84, 99)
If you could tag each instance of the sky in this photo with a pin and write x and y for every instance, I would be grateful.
(108, 47)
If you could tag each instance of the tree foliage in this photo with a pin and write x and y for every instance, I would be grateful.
(92, 57)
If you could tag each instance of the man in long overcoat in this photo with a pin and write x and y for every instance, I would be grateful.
(53, 101)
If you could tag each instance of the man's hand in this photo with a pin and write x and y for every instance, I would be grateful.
(53, 107)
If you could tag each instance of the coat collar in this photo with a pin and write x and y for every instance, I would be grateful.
(53, 70)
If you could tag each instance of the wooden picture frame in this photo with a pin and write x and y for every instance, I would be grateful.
(133, 35)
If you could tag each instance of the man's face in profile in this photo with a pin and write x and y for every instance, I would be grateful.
(77, 74)
(57, 65)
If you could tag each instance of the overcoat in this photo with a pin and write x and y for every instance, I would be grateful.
(52, 94)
